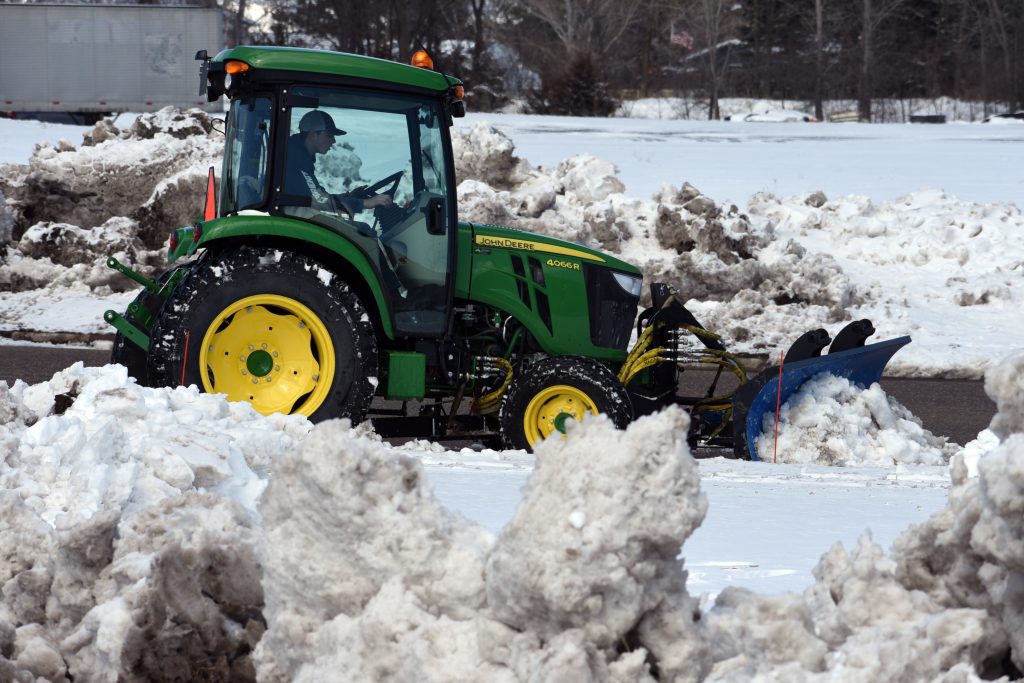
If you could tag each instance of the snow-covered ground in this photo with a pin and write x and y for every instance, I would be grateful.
(770, 229)
(147, 529)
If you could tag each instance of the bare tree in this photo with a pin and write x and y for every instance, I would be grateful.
(239, 27)
(819, 59)
(584, 26)
(873, 14)
(711, 21)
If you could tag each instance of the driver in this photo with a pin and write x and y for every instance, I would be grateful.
(316, 135)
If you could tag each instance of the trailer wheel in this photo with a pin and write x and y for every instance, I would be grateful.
(538, 403)
(274, 328)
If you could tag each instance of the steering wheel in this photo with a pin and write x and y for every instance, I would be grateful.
(370, 190)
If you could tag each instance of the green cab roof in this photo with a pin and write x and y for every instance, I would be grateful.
(336, 64)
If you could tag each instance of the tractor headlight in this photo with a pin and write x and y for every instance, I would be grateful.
(227, 82)
(629, 283)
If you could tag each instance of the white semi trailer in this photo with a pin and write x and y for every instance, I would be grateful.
(92, 60)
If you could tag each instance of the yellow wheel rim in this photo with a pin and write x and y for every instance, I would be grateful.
(271, 351)
(550, 408)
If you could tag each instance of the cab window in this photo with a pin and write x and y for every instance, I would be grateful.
(372, 168)
(244, 181)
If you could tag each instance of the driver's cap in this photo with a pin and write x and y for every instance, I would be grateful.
(318, 120)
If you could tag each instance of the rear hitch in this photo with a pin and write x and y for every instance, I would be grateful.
(130, 332)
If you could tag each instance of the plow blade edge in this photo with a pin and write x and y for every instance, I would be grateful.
(863, 366)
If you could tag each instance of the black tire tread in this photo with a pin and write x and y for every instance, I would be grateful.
(250, 270)
(585, 374)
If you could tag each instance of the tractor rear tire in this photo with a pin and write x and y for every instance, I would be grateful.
(538, 402)
(274, 328)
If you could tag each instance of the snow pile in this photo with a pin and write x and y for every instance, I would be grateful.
(598, 533)
(367, 577)
(138, 183)
(950, 598)
(975, 247)
(971, 555)
(127, 522)
(134, 547)
(831, 421)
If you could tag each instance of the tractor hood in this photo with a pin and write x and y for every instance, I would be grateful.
(542, 246)
(574, 300)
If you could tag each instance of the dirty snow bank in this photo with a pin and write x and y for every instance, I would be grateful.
(134, 547)
(127, 522)
(119, 194)
(399, 587)
(947, 604)
(971, 555)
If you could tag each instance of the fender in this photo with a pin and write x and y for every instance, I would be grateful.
(244, 226)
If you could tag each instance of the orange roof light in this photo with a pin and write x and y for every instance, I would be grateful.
(235, 67)
(422, 60)
(460, 92)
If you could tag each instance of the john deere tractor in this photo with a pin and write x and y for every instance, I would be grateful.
(333, 274)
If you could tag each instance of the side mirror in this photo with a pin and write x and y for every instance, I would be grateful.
(435, 217)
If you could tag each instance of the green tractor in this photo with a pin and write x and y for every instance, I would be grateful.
(303, 291)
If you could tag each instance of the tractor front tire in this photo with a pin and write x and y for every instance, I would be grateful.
(274, 328)
(554, 390)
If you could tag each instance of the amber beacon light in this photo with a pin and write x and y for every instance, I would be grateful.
(422, 60)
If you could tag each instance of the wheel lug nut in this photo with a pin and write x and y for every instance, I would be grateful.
(263, 346)
(255, 381)
(251, 347)
(301, 324)
(245, 372)
(243, 357)
(269, 379)
(316, 378)
(275, 354)
(248, 309)
(277, 368)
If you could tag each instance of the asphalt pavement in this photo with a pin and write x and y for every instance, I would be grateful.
(958, 409)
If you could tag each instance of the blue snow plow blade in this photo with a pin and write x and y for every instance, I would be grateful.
(862, 365)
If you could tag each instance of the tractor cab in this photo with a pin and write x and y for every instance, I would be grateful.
(370, 164)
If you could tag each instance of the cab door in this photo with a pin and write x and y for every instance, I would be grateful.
(384, 145)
